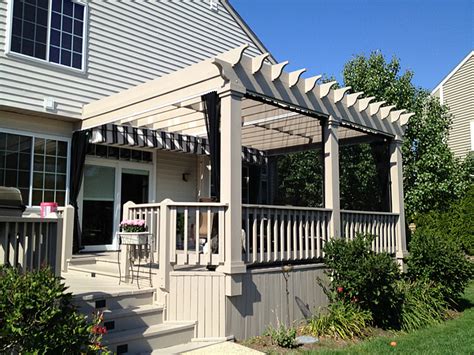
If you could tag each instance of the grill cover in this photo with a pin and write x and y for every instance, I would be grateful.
(11, 203)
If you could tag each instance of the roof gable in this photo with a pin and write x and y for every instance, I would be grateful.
(447, 77)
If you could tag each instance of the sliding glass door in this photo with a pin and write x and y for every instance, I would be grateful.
(107, 185)
(98, 207)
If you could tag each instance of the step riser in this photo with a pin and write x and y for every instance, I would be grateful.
(134, 321)
(117, 302)
(154, 342)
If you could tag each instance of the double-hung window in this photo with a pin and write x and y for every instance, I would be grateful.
(50, 30)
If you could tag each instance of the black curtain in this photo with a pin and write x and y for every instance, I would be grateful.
(255, 177)
(380, 153)
(80, 141)
(212, 115)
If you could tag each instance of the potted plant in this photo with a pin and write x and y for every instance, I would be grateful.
(133, 231)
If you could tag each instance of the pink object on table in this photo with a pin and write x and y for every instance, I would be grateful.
(47, 208)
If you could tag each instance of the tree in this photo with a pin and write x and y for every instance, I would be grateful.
(433, 178)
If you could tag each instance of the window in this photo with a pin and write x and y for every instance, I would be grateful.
(125, 154)
(51, 30)
(36, 166)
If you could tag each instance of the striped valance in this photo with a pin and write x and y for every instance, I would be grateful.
(112, 134)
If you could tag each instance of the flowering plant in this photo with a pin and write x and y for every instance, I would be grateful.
(97, 331)
(133, 225)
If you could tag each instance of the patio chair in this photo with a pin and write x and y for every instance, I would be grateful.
(204, 226)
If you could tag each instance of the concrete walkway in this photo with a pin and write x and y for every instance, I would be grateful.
(226, 347)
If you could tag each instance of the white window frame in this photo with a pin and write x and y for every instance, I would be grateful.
(46, 61)
(43, 136)
(119, 166)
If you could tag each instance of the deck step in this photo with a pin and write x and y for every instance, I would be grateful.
(148, 339)
(92, 301)
(132, 318)
(110, 270)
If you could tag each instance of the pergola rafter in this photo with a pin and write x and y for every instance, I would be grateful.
(274, 100)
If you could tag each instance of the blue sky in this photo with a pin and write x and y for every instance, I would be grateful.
(429, 36)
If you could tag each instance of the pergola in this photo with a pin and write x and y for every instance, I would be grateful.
(264, 108)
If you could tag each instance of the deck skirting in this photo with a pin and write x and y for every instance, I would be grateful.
(200, 296)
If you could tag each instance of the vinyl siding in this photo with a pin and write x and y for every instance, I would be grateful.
(129, 42)
(34, 125)
(169, 176)
(458, 94)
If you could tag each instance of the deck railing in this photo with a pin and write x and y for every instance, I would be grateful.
(277, 233)
(197, 233)
(30, 243)
(192, 230)
(380, 224)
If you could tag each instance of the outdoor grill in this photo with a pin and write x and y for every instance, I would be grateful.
(11, 202)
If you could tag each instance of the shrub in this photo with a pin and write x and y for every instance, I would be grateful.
(283, 336)
(456, 223)
(435, 257)
(423, 304)
(343, 320)
(361, 276)
(36, 316)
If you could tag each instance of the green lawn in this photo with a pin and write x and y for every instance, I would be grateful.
(455, 336)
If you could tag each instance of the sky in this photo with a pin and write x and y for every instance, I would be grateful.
(430, 37)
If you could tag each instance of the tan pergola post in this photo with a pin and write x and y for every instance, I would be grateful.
(331, 175)
(231, 187)
(396, 189)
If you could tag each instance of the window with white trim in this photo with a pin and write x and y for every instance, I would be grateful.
(50, 30)
(36, 166)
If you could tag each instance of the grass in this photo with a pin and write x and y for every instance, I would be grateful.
(454, 336)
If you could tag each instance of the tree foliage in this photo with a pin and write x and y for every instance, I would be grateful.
(301, 179)
(433, 177)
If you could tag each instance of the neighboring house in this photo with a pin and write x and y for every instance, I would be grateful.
(457, 91)
(170, 111)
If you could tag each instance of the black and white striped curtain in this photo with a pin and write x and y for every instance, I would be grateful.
(112, 134)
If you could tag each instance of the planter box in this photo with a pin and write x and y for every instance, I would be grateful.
(134, 238)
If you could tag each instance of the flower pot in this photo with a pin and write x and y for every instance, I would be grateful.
(134, 238)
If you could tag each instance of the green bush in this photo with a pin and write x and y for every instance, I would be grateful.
(344, 320)
(368, 279)
(456, 224)
(435, 257)
(36, 316)
(283, 336)
(423, 304)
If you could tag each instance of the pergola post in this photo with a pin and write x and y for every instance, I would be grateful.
(231, 186)
(331, 175)
(396, 187)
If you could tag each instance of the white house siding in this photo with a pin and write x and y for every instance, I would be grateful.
(129, 42)
(458, 94)
(170, 168)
